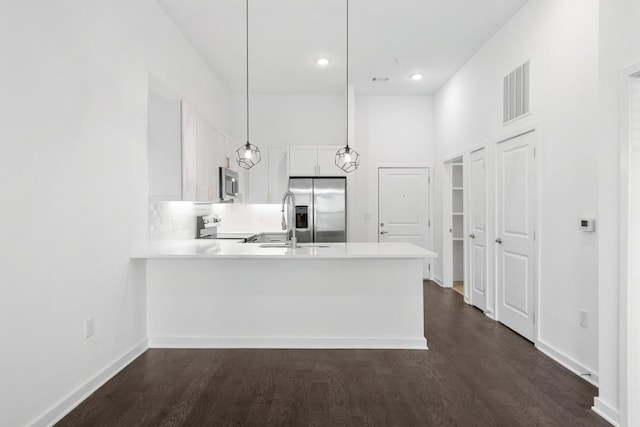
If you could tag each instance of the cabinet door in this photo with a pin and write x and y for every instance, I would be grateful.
(258, 181)
(278, 178)
(207, 162)
(327, 161)
(303, 160)
(189, 152)
(165, 150)
(230, 153)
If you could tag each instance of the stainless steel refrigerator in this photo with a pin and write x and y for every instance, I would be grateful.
(321, 208)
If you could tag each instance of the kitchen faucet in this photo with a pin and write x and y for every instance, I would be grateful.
(290, 227)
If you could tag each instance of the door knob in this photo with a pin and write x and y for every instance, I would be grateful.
(499, 241)
(473, 236)
(384, 232)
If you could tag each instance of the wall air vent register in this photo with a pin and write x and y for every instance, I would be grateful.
(516, 94)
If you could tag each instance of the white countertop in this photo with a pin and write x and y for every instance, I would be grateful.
(223, 248)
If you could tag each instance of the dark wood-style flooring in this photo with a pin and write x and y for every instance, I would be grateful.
(475, 373)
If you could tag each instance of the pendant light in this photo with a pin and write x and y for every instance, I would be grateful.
(248, 155)
(347, 158)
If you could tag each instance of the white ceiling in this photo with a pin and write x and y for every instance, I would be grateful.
(388, 38)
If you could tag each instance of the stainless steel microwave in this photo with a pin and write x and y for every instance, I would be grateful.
(228, 183)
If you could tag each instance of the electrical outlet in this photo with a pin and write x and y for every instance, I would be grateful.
(88, 327)
(584, 318)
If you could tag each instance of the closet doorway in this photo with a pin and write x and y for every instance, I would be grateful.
(454, 251)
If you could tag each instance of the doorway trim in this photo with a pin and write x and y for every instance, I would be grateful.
(447, 216)
(629, 248)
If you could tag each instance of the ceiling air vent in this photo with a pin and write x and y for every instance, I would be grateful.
(380, 79)
(516, 94)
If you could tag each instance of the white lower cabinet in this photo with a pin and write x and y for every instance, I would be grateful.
(268, 180)
(313, 160)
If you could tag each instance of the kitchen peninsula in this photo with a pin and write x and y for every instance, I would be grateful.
(225, 294)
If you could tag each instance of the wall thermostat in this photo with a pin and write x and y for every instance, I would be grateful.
(587, 224)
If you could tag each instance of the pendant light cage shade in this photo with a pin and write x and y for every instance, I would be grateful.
(248, 155)
(347, 159)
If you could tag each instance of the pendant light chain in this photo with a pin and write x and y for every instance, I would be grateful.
(347, 76)
(247, 62)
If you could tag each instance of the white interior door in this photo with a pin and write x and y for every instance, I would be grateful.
(478, 229)
(403, 207)
(515, 239)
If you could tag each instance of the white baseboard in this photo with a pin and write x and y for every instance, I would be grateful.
(606, 411)
(289, 342)
(438, 280)
(568, 363)
(67, 404)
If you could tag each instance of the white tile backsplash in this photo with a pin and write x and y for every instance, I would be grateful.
(177, 220)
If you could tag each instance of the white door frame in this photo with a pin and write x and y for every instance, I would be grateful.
(629, 249)
(447, 224)
(535, 128)
(429, 169)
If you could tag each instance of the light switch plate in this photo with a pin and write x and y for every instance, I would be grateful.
(587, 224)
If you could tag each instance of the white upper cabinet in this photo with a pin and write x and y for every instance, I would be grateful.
(303, 160)
(165, 150)
(278, 178)
(189, 152)
(313, 160)
(268, 180)
(185, 152)
(207, 162)
(172, 150)
(327, 161)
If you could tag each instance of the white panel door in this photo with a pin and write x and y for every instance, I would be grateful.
(478, 226)
(515, 242)
(403, 206)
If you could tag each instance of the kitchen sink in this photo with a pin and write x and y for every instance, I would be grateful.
(288, 245)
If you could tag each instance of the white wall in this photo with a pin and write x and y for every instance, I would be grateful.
(73, 185)
(386, 127)
(560, 37)
(281, 120)
(389, 131)
(619, 49)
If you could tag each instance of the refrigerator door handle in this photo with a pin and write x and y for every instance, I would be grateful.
(314, 210)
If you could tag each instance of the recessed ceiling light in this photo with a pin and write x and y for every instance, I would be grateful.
(416, 77)
(323, 62)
